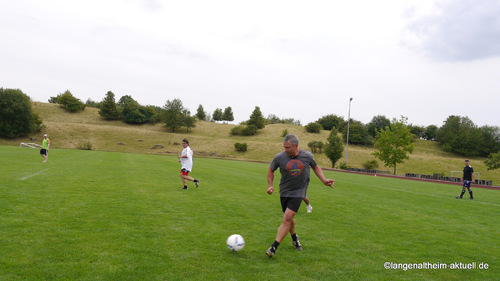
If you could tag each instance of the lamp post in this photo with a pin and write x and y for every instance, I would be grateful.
(348, 123)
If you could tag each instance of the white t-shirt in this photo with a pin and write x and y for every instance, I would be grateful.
(187, 163)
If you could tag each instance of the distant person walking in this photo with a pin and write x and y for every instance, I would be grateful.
(467, 179)
(294, 165)
(44, 152)
(186, 160)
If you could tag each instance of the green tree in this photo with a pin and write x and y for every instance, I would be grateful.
(493, 161)
(108, 109)
(217, 116)
(394, 143)
(334, 147)
(490, 140)
(358, 134)
(330, 121)
(228, 114)
(174, 116)
(378, 123)
(200, 113)
(69, 102)
(430, 132)
(16, 116)
(257, 119)
(460, 135)
(188, 121)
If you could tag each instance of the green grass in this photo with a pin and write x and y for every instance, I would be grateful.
(91, 215)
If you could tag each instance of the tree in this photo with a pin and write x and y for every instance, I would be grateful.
(69, 102)
(493, 161)
(418, 131)
(331, 121)
(108, 109)
(460, 135)
(16, 116)
(188, 121)
(200, 113)
(394, 143)
(228, 114)
(257, 119)
(133, 112)
(490, 140)
(173, 114)
(378, 123)
(334, 147)
(430, 132)
(217, 116)
(357, 133)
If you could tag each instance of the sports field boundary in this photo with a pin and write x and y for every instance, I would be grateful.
(494, 187)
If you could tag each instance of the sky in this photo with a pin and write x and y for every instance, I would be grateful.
(422, 59)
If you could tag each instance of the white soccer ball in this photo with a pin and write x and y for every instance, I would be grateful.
(235, 242)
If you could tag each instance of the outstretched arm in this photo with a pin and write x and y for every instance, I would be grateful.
(317, 170)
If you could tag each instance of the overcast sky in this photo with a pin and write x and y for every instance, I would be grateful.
(423, 59)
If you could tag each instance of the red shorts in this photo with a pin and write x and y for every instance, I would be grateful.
(184, 172)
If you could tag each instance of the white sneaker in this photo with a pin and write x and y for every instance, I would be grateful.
(309, 208)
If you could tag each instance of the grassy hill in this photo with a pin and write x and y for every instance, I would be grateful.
(72, 130)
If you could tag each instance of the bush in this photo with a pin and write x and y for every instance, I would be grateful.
(285, 133)
(316, 146)
(249, 130)
(313, 127)
(16, 116)
(344, 166)
(242, 147)
(85, 146)
(370, 164)
(69, 102)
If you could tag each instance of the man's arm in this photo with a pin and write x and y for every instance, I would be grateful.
(317, 170)
(270, 180)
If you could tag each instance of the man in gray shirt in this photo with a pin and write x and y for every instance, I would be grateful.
(294, 165)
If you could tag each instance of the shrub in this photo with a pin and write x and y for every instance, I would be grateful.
(344, 166)
(370, 164)
(249, 130)
(285, 133)
(85, 146)
(313, 127)
(242, 147)
(16, 116)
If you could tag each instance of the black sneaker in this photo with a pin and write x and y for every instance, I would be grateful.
(459, 197)
(472, 198)
(271, 251)
(185, 187)
(197, 182)
(297, 245)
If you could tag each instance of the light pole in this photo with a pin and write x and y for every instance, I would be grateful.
(348, 123)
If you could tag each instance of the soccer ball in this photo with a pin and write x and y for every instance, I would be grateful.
(235, 242)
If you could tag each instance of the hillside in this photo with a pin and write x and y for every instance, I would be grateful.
(71, 130)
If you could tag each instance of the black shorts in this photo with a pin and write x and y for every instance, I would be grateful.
(292, 203)
(43, 151)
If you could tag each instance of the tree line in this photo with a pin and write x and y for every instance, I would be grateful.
(457, 134)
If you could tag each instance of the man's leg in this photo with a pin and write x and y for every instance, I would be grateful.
(287, 226)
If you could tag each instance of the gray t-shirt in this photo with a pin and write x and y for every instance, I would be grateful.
(295, 172)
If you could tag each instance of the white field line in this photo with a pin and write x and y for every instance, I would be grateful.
(35, 174)
(417, 193)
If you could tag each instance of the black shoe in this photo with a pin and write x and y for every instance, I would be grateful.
(459, 197)
(197, 182)
(185, 187)
(472, 198)
(297, 245)
(271, 251)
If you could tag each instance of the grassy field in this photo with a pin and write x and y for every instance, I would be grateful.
(71, 130)
(93, 215)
